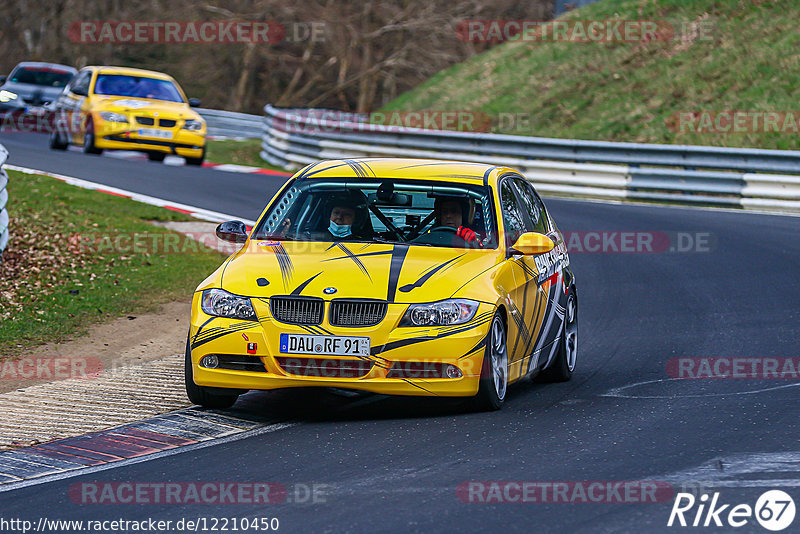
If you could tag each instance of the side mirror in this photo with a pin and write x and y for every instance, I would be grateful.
(194, 102)
(79, 91)
(233, 231)
(532, 243)
(3, 78)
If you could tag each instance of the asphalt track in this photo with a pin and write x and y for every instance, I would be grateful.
(394, 464)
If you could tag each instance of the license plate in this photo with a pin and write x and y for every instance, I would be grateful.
(324, 345)
(153, 132)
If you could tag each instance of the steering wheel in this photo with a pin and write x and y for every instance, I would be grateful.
(443, 229)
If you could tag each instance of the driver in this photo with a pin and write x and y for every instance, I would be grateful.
(347, 218)
(452, 212)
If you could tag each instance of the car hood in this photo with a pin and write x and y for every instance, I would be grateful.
(125, 104)
(397, 273)
(31, 92)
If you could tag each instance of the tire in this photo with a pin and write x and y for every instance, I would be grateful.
(202, 395)
(156, 156)
(88, 140)
(197, 161)
(494, 370)
(55, 141)
(562, 367)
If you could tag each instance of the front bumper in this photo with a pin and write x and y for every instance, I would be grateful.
(122, 136)
(461, 345)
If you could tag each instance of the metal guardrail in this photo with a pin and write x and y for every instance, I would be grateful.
(3, 200)
(222, 123)
(738, 177)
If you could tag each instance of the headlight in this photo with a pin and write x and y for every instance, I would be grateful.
(7, 96)
(445, 312)
(192, 124)
(110, 116)
(223, 304)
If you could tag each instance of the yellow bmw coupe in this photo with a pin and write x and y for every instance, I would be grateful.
(401, 277)
(129, 109)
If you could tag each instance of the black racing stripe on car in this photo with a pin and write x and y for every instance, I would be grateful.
(522, 329)
(227, 331)
(308, 169)
(473, 278)
(349, 254)
(360, 254)
(425, 277)
(284, 262)
(524, 306)
(439, 163)
(411, 341)
(537, 318)
(200, 329)
(398, 257)
(479, 346)
(307, 174)
(541, 336)
(311, 329)
(210, 332)
(418, 386)
(299, 289)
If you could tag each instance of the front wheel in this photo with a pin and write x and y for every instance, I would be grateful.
(197, 161)
(203, 395)
(562, 367)
(88, 140)
(494, 371)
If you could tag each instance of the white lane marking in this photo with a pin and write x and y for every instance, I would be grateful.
(11, 486)
(200, 213)
(618, 392)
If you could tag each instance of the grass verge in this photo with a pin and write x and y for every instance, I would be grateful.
(722, 55)
(57, 278)
(244, 152)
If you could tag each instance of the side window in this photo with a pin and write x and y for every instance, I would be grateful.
(514, 220)
(80, 85)
(533, 207)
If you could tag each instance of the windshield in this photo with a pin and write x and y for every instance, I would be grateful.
(136, 86)
(438, 214)
(46, 76)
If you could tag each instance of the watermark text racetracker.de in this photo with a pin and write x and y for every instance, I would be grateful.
(735, 367)
(204, 493)
(598, 242)
(50, 368)
(194, 32)
(579, 31)
(581, 491)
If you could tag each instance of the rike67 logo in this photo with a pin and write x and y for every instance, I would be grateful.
(774, 510)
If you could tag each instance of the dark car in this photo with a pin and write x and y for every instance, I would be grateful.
(32, 85)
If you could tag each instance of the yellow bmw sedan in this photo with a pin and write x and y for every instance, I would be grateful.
(394, 276)
(129, 109)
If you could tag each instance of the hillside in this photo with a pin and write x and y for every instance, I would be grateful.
(725, 55)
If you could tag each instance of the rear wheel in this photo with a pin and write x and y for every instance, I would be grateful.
(494, 371)
(156, 156)
(88, 140)
(563, 365)
(55, 141)
(201, 395)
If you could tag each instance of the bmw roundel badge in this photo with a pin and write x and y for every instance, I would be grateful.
(329, 290)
